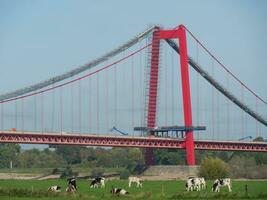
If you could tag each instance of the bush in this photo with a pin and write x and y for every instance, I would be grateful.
(68, 173)
(125, 174)
(97, 172)
(138, 169)
(213, 168)
(55, 171)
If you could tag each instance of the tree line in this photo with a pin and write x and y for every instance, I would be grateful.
(128, 158)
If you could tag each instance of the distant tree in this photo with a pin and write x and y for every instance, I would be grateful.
(98, 171)
(8, 153)
(169, 157)
(225, 156)
(39, 158)
(260, 158)
(71, 154)
(125, 174)
(258, 139)
(67, 172)
(212, 168)
(135, 163)
(251, 158)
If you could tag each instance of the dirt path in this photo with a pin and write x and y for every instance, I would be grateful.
(22, 176)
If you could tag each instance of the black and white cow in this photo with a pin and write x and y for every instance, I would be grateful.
(54, 188)
(193, 183)
(98, 181)
(221, 182)
(137, 180)
(72, 186)
(119, 191)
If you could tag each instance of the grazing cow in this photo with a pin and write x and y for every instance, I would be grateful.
(218, 183)
(98, 181)
(54, 188)
(118, 191)
(72, 186)
(193, 183)
(138, 181)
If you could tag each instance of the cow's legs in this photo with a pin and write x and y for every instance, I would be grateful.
(130, 182)
(191, 188)
(102, 183)
(229, 188)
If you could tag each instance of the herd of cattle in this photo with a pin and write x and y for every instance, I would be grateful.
(192, 184)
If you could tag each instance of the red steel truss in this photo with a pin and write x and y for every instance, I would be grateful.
(126, 141)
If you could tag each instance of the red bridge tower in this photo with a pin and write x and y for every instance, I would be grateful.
(180, 34)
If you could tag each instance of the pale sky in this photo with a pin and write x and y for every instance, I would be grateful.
(41, 39)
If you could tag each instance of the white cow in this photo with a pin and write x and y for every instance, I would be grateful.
(193, 183)
(137, 180)
(54, 188)
(221, 182)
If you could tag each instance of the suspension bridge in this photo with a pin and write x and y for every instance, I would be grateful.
(161, 89)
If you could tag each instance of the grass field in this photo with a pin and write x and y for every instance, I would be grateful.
(33, 189)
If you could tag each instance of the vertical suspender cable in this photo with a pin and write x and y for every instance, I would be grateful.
(2, 116)
(97, 102)
(42, 111)
(72, 107)
(53, 110)
(218, 114)
(124, 87)
(35, 112)
(61, 110)
(132, 89)
(227, 110)
(79, 106)
(115, 95)
(166, 86)
(257, 127)
(212, 100)
(22, 114)
(89, 104)
(107, 100)
(242, 112)
(197, 88)
(16, 114)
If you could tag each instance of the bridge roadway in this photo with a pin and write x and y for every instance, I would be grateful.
(125, 141)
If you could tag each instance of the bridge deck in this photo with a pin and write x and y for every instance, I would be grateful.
(125, 141)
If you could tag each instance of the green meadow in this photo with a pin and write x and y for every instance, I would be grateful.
(154, 190)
